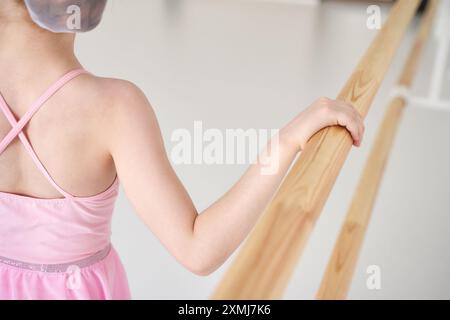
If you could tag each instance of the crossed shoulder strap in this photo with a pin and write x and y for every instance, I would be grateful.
(17, 126)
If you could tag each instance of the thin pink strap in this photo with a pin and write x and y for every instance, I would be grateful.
(29, 148)
(36, 105)
(18, 126)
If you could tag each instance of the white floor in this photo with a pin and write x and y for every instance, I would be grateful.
(256, 64)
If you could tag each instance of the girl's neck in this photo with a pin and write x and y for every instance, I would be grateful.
(28, 51)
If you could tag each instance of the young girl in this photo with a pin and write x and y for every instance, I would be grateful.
(66, 139)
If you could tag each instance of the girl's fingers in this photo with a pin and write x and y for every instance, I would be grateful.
(354, 122)
(347, 120)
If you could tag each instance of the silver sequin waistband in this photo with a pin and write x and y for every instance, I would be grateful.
(100, 255)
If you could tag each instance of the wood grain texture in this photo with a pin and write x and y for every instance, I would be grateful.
(338, 275)
(413, 60)
(266, 261)
(339, 272)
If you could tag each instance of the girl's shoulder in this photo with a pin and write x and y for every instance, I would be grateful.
(108, 89)
(113, 104)
(106, 97)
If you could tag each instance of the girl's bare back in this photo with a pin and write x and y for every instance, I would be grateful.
(69, 135)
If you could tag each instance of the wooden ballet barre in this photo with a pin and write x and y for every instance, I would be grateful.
(339, 272)
(267, 259)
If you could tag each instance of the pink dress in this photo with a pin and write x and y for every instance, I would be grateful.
(56, 248)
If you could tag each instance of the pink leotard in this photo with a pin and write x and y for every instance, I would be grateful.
(56, 248)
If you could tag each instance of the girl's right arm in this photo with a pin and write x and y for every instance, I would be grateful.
(203, 241)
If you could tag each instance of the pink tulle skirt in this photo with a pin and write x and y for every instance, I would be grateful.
(104, 279)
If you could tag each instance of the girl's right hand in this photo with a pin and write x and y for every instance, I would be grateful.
(323, 113)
